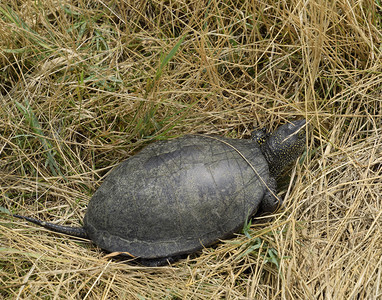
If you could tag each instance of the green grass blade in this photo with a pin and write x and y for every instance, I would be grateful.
(36, 127)
(168, 57)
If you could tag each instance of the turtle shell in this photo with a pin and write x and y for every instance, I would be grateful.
(177, 196)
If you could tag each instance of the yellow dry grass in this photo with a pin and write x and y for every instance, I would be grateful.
(84, 84)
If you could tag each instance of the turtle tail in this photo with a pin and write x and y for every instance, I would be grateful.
(73, 231)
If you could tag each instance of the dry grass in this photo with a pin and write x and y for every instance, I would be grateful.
(83, 86)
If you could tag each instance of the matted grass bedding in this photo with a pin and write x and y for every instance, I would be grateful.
(84, 85)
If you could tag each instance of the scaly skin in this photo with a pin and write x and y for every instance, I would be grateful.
(69, 230)
(284, 146)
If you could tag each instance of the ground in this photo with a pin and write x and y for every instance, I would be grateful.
(84, 85)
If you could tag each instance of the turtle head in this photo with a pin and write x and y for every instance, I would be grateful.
(284, 146)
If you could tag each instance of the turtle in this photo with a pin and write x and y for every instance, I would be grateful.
(176, 196)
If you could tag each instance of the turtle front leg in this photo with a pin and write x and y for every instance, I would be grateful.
(270, 202)
(160, 261)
